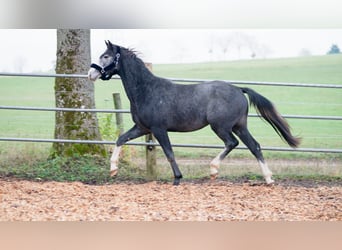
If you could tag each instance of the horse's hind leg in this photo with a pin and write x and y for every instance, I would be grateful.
(230, 143)
(254, 147)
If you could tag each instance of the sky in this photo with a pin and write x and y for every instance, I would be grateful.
(27, 50)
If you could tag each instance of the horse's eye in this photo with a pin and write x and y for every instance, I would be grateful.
(105, 56)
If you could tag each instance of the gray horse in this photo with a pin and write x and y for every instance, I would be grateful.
(159, 105)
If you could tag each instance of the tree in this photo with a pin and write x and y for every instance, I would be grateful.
(334, 50)
(73, 57)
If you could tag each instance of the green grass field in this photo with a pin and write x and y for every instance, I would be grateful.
(39, 92)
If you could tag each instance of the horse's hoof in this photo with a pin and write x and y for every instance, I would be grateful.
(176, 182)
(268, 178)
(270, 182)
(113, 172)
(213, 177)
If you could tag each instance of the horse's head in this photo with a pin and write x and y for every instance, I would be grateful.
(108, 64)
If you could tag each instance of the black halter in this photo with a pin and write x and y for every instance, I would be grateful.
(111, 69)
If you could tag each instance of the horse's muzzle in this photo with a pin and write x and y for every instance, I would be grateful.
(93, 74)
(105, 72)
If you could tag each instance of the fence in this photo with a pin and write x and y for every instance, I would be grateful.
(151, 143)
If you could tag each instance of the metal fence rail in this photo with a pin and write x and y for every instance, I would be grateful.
(66, 109)
(314, 117)
(284, 84)
(179, 145)
(310, 85)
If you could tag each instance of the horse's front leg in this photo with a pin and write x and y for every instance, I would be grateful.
(131, 134)
(114, 160)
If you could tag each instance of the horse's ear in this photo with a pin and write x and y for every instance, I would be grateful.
(109, 45)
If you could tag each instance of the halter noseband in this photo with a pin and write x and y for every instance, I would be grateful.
(105, 75)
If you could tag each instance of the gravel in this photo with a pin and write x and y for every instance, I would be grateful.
(156, 201)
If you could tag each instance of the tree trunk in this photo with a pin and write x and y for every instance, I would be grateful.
(73, 57)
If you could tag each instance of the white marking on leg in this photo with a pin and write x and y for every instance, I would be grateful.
(114, 160)
(215, 165)
(266, 172)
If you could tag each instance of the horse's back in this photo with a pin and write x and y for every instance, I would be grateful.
(225, 102)
(197, 105)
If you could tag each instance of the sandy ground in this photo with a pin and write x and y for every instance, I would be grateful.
(156, 201)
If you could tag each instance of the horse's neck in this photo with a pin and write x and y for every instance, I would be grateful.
(136, 79)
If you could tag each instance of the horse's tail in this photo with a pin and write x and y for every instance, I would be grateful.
(267, 111)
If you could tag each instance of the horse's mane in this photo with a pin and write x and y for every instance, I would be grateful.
(132, 52)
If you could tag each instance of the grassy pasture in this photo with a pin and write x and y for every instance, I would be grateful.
(39, 92)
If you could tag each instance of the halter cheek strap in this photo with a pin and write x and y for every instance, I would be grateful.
(105, 75)
(98, 68)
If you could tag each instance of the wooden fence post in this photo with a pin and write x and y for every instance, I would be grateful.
(118, 116)
(151, 159)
